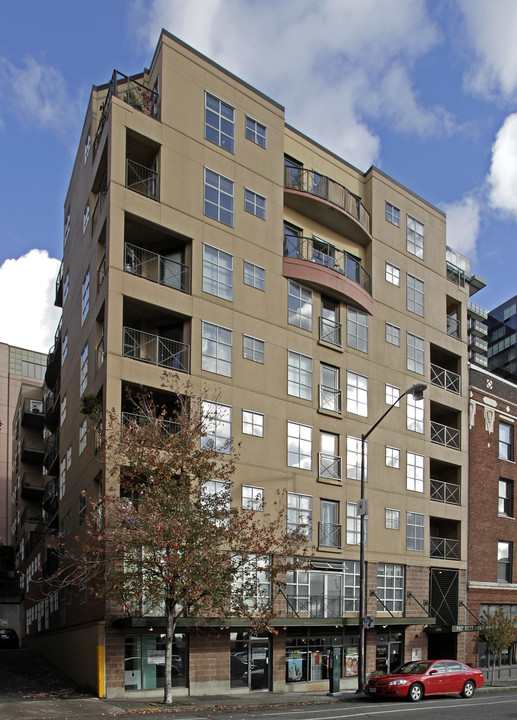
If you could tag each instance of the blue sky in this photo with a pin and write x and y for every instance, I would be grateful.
(424, 90)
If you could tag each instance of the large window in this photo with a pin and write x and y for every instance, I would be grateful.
(85, 297)
(415, 532)
(255, 204)
(254, 275)
(415, 472)
(251, 580)
(505, 503)
(353, 525)
(82, 435)
(415, 237)
(299, 446)
(415, 295)
(217, 272)
(216, 349)
(390, 587)
(415, 414)
(219, 122)
(252, 498)
(392, 214)
(351, 586)
(217, 426)
(504, 562)
(253, 349)
(415, 353)
(256, 132)
(252, 423)
(505, 441)
(142, 669)
(357, 394)
(300, 306)
(299, 513)
(357, 329)
(218, 197)
(299, 375)
(353, 458)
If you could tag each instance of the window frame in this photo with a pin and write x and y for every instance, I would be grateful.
(505, 498)
(415, 240)
(221, 138)
(85, 297)
(392, 459)
(393, 334)
(392, 214)
(219, 346)
(296, 442)
(392, 521)
(415, 295)
(415, 480)
(355, 394)
(415, 353)
(83, 374)
(297, 515)
(252, 134)
(390, 587)
(357, 329)
(254, 502)
(415, 414)
(353, 458)
(392, 274)
(253, 204)
(253, 423)
(305, 319)
(414, 536)
(504, 562)
(214, 424)
(296, 374)
(216, 286)
(506, 446)
(222, 214)
(254, 351)
(258, 279)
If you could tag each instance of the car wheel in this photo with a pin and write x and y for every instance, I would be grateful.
(468, 689)
(416, 693)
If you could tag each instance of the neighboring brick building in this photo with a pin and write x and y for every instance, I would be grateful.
(492, 574)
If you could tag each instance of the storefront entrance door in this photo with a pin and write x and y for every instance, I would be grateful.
(258, 677)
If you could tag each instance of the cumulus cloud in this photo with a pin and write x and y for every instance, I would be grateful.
(502, 178)
(463, 225)
(28, 317)
(335, 66)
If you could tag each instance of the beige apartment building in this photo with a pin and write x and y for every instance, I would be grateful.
(204, 236)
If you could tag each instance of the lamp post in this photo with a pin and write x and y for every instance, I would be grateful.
(417, 390)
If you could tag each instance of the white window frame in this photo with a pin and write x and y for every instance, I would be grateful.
(254, 275)
(415, 472)
(415, 414)
(66, 229)
(218, 197)
(63, 411)
(390, 587)
(300, 302)
(253, 349)
(252, 423)
(83, 429)
(64, 348)
(86, 217)
(255, 131)
(415, 540)
(69, 457)
(216, 349)
(254, 203)
(299, 512)
(357, 329)
(392, 519)
(299, 375)
(393, 334)
(217, 426)
(353, 458)
(66, 286)
(222, 128)
(87, 146)
(415, 295)
(415, 353)
(356, 393)
(392, 274)
(392, 457)
(252, 498)
(415, 237)
(353, 525)
(217, 272)
(299, 445)
(62, 478)
(392, 214)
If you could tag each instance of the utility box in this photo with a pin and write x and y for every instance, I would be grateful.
(334, 670)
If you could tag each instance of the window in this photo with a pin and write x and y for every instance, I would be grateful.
(217, 272)
(250, 582)
(69, 457)
(352, 573)
(415, 353)
(299, 513)
(66, 286)
(253, 349)
(33, 370)
(84, 370)
(415, 532)
(392, 334)
(216, 349)
(392, 519)
(353, 458)
(392, 457)
(218, 197)
(256, 132)
(329, 460)
(255, 204)
(293, 241)
(82, 436)
(505, 441)
(82, 508)
(217, 425)
(299, 375)
(415, 237)
(504, 562)
(63, 410)
(390, 587)
(330, 394)
(330, 327)
(415, 414)
(505, 506)
(299, 446)
(86, 217)
(300, 306)
(219, 122)
(254, 275)
(62, 478)
(415, 472)
(415, 295)
(329, 529)
(392, 214)
(392, 274)
(252, 423)
(87, 147)
(66, 231)
(217, 496)
(357, 394)
(252, 498)
(357, 329)
(353, 525)
(85, 297)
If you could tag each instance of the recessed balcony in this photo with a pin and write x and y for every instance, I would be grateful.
(58, 301)
(141, 179)
(446, 379)
(445, 548)
(157, 268)
(445, 492)
(32, 413)
(137, 420)
(32, 450)
(156, 350)
(32, 486)
(327, 202)
(320, 606)
(51, 456)
(445, 435)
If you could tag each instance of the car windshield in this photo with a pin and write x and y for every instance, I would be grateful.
(412, 668)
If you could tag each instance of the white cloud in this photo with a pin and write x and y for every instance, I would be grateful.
(28, 317)
(502, 178)
(491, 29)
(336, 66)
(463, 225)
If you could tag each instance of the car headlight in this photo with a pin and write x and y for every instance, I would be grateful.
(400, 681)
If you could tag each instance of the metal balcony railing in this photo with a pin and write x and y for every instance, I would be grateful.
(156, 350)
(478, 310)
(156, 268)
(476, 327)
(98, 207)
(329, 466)
(330, 399)
(329, 535)
(445, 548)
(453, 327)
(311, 182)
(315, 251)
(330, 332)
(477, 343)
(479, 359)
(101, 271)
(455, 275)
(100, 353)
(445, 379)
(445, 492)
(321, 606)
(141, 179)
(445, 435)
(138, 420)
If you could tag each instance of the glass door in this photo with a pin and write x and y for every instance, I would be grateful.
(258, 677)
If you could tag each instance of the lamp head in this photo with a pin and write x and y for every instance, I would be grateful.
(417, 390)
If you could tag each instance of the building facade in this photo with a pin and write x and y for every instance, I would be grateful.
(502, 338)
(204, 236)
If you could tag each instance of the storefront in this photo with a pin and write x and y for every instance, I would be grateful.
(307, 651)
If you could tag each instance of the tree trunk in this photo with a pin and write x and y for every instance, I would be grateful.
(169, 639)
(492, 679)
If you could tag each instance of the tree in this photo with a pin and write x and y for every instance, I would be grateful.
(499, 631)
(166, 535)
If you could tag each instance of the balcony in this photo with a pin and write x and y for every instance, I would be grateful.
(320, 606)
(330, 399)
(101, 271)
(157, 268)
(329, 466)
(130, 420)
(327, 202)
(51, 457)
(330, 332)
(32, 413)
(455, 275)
(97, 210)
(329, 535)
(141, 179)
(444, 435)
(52, 408)
(479, 312)
(445, 492)
(32, 486)
(37, 535)
(478, 344)
(32, 450)
(478, 328)
(445, 379)
(478, 359)
(58, 301)
(157, 350)
(30, 516)
(445, 548)
(50, 503)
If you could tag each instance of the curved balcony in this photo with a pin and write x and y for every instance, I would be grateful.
(327, 202)
(328, 270)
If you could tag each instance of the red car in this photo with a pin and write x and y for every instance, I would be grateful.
(413, 680)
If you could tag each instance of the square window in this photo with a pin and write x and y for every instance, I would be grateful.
(415, 472)
(415, 414)
(216, 349)
(217, 426)
(299, 446)
(256, 132)
(299, 513)
(415, 295)
(255, 204)
(253, 349)
(415, 534)
(300, 306)
(217, 272)
(252, 423)
(218, 197)
(392, 214)
(357, 394)
(415, 353)
(357, 329)
(299, 375)
(392, 274)
(252, 498)
(254, 275)
(219, 122)
(392, 334)
(392, 519)
(415, 237)
(392, 457)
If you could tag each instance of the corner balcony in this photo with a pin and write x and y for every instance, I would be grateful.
(326, 268)
(156, 350)
(157, 268)
(32, 450)
(327, 202)
(137, 420)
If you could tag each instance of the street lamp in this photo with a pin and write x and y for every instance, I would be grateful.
(417, 390)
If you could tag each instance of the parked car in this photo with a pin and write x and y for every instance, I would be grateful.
(8, 638)
(414, 680)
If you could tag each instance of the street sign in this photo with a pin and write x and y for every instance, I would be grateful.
(369, 621)
(362, 507)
